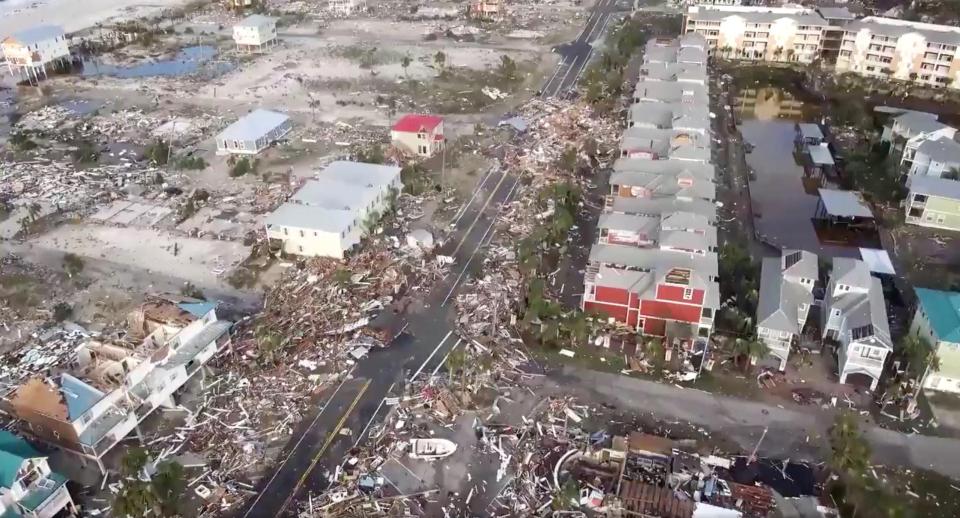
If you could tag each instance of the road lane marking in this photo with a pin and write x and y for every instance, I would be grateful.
(463, 209)
(480, 245)
(374, 416)
(437, 348)
(316, 458)
(297, 445)
(466, 234)
(546, 88)
(444, 360)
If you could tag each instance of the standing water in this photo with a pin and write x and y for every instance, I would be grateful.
(783, 207)
(189, 60)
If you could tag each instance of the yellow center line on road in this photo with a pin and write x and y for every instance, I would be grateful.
(330, 438)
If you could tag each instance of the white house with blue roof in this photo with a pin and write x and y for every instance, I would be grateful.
(27, 485)
(32, 50)
(111, 387)
(938, 320)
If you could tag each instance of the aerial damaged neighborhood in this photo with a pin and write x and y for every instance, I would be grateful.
(480, 258)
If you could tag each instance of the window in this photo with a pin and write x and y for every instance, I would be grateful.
(836, 312)
(706, 313)
(302, 234)
(928, 55)
(792, 259)
(845, 53)
(862, 332)
(687, 293)
(300, 247)
(919, 198)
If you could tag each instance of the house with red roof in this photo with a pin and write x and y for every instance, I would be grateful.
(421, 135)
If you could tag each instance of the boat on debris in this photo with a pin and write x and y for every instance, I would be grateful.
(431, 448)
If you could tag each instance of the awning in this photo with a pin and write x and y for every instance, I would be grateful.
(877, 260)
(844, 204)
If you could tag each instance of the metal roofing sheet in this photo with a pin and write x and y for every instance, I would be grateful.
(253, 125)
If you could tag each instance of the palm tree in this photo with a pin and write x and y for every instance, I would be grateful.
(917, 352)
(440, 59)
(849, 451)
(405, 62)
(750, 350)
(457, 362)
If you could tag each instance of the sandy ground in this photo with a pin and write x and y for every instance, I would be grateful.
(197, 260)
(16, 15)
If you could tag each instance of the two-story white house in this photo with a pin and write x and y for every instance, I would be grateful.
(855, 317)
(421, 135)
(27, 485)
(786, 296)
(931, 156)
(31, 51)
(255, 32)
(330, 214)
(111, 387)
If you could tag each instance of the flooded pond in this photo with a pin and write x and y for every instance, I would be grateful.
(188, 61)
(783, 206)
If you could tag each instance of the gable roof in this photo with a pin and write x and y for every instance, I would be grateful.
(253, 125)
(943, 311)
(781, 294)
(413, 123)
(934, 186)
(852, 272)
(942, 149)
(916, 122)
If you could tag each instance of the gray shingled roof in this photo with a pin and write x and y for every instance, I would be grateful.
(895, 28)
(781, 293)
(658, 206)
(934, 186)
(942, 150)
(672, 167)
(756, 14)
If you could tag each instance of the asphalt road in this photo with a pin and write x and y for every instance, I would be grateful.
(323, 439)
(576, 54)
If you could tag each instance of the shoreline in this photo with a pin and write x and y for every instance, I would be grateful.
(75, 17)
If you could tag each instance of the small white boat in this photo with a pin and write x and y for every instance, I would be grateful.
(431, 448)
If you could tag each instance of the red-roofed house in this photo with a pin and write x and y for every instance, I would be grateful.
(421, 135)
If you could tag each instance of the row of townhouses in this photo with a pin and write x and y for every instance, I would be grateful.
(654, 265)
(872, 46)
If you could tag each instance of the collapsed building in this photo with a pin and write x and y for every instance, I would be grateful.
(97, 394)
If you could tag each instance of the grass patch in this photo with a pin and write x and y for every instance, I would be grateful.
(593, 358)
(20, 291)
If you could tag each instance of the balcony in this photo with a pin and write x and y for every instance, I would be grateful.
(46, 497)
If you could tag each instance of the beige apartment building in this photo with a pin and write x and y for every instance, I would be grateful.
(759, 33)
(897, 49)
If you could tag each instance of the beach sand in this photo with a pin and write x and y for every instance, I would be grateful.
(17, 15)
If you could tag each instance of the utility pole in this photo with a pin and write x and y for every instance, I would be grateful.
(753, 454)
(443, 160)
